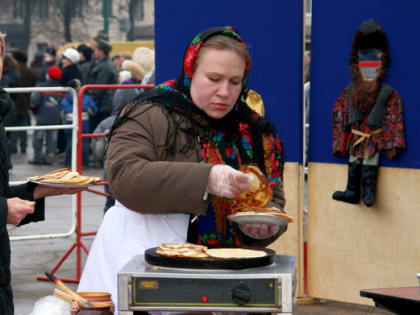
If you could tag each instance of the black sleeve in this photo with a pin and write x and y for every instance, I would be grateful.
(25, 191)
(3, 213)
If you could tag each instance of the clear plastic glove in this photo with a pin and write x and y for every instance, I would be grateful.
(259, 231)
(225, 181)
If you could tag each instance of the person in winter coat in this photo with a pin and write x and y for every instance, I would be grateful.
(27, 79)
(19, 205)
(37, 67)
(85, 53)
(145, 57)
(101, 73)
(174, 153)
(46, 107)
(10, 79)
(70, 65)
(89, 110)
(50, 59)
(98, 145)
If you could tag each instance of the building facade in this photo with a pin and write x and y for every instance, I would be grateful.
(45, 21)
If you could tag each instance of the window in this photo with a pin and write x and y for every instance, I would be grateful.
(17, 9)
(41, 47)
(42, 9)
(138, 11)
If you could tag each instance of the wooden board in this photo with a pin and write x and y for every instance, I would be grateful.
(353, 247)
(291, 242)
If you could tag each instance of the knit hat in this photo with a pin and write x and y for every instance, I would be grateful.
(20, 56)
(55, 73)
(51, 51)
(104, 45)
(72, 54)
(136, 70)
(145, 57)
(124, 75)
(85, 51)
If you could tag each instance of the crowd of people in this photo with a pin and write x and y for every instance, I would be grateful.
(87, 63)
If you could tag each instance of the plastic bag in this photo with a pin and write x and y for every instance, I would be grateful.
(50, 305)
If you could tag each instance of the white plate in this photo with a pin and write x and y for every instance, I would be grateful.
(256, 218)
(60, 185)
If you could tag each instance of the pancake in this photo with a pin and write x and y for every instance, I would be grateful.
(235, 253)
(260, 193)
(258, 210)
(182, 250)
(65, 176)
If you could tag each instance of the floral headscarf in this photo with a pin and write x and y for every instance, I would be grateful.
(241, 137)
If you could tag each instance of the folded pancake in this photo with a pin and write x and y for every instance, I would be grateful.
(182, 250)
(65, 176)
(260, 193)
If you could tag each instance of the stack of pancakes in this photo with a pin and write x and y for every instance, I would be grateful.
(260, 193)
(65, 176)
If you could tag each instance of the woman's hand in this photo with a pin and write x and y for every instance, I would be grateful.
(225, 181)
(259, 231)
(18, 209)
(45, 191)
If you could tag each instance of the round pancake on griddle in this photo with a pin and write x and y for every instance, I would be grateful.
(235, 253)
(259, 195)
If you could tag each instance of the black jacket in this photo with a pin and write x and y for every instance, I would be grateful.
(102, 73)
(69, 73)
(24, 191)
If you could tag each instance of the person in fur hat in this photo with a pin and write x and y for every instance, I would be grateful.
(137, 71)
(367, 116)
(145, 57)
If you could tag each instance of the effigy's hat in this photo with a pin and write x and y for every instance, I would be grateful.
(370, 35)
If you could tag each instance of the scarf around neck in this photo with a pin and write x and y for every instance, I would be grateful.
(241, 137)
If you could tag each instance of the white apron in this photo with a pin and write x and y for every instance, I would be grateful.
(122, 235)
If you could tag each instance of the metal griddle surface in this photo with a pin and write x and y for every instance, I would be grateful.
(208, 263)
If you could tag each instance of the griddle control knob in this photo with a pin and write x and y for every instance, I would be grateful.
(241, 294)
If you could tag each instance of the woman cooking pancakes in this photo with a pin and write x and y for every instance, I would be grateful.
(174, 153)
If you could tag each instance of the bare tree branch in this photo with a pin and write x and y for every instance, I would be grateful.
(28, 8)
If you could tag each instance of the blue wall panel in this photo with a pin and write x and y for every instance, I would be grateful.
(333, 26)
(272, 28)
